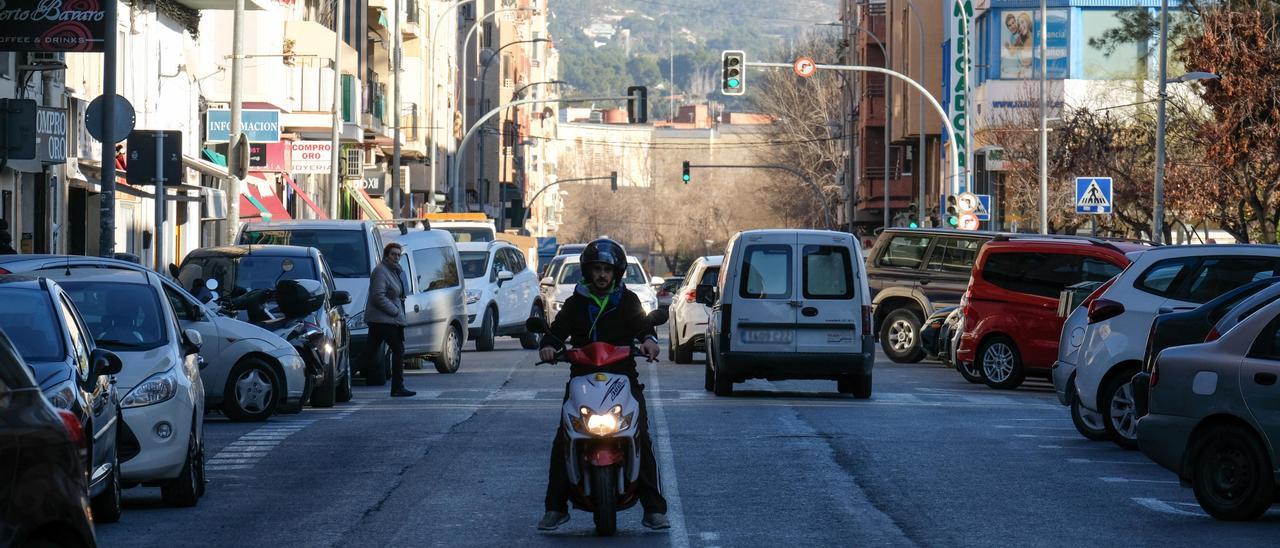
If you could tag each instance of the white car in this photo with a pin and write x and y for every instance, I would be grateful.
(269, 375)
(1162, 279)
(163, 397)
(689, 317)
(570, 273)
(501, 292)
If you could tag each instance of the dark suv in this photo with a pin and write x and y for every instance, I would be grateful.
(914, 272)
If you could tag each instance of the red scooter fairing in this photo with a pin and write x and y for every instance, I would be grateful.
(598, 354)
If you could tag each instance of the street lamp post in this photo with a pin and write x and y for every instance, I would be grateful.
(1157, 225)
(483, 194)
(431, 109)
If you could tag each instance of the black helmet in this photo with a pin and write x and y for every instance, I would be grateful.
(604, 251)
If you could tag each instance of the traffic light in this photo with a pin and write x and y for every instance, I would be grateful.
(685, 177)
(953, 211)
(732, 78)
(637, 104)
(516, 213)
(613, 180)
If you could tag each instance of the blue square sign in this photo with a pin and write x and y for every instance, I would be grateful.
(1093, 195)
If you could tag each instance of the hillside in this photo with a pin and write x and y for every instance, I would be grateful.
(606, 45)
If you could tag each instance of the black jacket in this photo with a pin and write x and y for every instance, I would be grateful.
(581, 321)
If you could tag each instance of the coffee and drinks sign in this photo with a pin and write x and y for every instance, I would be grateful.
(52, 25)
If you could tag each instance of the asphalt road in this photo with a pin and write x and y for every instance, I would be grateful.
(929, 460)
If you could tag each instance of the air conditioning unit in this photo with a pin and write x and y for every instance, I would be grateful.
(353, 167)
(213, 203)
(44, 60)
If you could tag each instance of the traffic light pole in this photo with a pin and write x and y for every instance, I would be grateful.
(955, 162)
(826, 212)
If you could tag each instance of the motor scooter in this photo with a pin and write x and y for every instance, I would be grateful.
(602, 421)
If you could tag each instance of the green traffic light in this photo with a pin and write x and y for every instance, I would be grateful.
(913, 225)
(734, 82)
(685, 177)
(954, 221)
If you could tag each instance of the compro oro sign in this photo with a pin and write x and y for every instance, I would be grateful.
(52, 25)
(311, 157)
(260, 126)
(51, 134)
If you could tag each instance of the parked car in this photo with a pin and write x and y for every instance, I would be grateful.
(435, 303)
(570, 249)
(501, 292)
(790, 304)
(570, 273)
(1088, 423)
(43, 498)
(667, 291)
(689, 317)
(547, 285)
(162, 442)
(914, 272)
(269, 375)
(352, 248)
(73, 374)
(1212, 418)
(1011, 307)
(1120, 318)
(931, 336)
(244, 268)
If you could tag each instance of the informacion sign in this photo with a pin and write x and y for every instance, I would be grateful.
(259, 125)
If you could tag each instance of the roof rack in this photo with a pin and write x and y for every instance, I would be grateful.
(1108, 243)
(404, 224)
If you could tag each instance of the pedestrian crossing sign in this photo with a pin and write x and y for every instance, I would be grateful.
(1093, 195)
(983, 212)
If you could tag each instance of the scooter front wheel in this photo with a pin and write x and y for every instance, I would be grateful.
(604, 497)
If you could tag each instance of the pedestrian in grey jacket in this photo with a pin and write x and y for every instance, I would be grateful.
(384, 313)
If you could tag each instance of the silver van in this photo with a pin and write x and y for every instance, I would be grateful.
(435, 304)
(790, 304)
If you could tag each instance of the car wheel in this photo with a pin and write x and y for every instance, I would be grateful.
(684, 353)
(375, 373)
(1001, 365)
(900, 336)
(450, 357)
(1231, 474)
(252, 392)
(1121, 420)
(184, 490)
(488, 329)
(327, 391)
(858, 385)
(344, 388)
(107, 506)
(971, 372)
(529, 341)
(709, 377)
(723, 385)
(1087, 423)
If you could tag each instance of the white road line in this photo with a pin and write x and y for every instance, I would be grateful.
(226, 467)
(1092, 461)
(1127, 480)
(1024, 427)
(1050, 447)
(1046, 437)
(1169, 508)
(666, 463)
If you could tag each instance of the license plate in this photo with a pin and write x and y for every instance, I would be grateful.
(766, 336)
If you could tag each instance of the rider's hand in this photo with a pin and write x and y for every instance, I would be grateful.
(650, 349)
(547, 353)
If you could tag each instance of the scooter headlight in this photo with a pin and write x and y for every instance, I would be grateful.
(602, 424)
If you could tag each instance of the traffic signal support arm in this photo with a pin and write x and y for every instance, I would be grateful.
(826, 211)
(529, 206)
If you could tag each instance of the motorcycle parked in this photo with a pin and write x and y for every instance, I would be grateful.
(601, 418)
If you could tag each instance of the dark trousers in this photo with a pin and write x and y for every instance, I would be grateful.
(649, 489)
(393, 335)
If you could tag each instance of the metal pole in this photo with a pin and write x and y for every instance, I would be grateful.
(1044, 119)
(431, 110)
(466, 49)
(483, 187)
(397, 51)
(335, 136)
(1157, 199)
(107, 209)
(888, 126)
(158, 179)
(233, 142)
(920, 146)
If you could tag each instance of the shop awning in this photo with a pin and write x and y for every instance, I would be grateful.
(374, 208)
(320, 214)
(253, 197)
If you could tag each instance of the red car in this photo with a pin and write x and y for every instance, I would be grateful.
(1011, 323)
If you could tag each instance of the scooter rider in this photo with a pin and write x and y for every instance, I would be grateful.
(602, 309)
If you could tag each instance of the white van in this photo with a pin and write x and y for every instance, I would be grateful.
(435, 303)
(790, 304)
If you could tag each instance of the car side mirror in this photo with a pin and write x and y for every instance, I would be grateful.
(536, 325)
(340, 298)
(104, 362)
(656, 281)
(505, 276)
(547, 282)
(192, 340)
(705, 294)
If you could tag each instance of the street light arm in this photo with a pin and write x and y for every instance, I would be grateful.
(534, 198)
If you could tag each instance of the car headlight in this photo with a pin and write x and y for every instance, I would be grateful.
(356, 321)
(603, 424)
(473, 296)
(62, 396)
(157, 388)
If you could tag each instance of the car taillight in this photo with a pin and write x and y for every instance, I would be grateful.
(1155, 376)
(964, 304)
(691, 295)
(3, 271)
(866, 321)
(1213, 335)
(74, 429)
(1104, 309)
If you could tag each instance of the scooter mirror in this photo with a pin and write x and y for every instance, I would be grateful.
(658, 317)
(286, 265)
(537, 325)
(211, 284)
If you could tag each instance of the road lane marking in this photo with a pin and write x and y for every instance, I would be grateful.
(1170, 508)
(1046, 437)
(666, 463)
(1023, 427)
(1127, 480)
(1050, 446)
(1092, 461)
(244, 452)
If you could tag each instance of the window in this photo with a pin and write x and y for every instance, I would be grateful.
(1162, 277)
(766, 272)
(436, 268)
(79, 343)
(501, 261)
(186, 312)
(474, 263)
(1267, 345)
(1121, 61)
(634, 275)
(710, 275)
(1097, 270)
(516, 261)
(953, 255)
(1215, 276)
(828, 272)
(905, 251)
(121, 316)
(464, 235)
(346, 250)
(29, 320)
(1043, 274)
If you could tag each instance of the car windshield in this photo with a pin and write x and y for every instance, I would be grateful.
(28, 318)
(250, 271)
(124, 317)
(470, 234)
(473, 263)
(345, 250)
